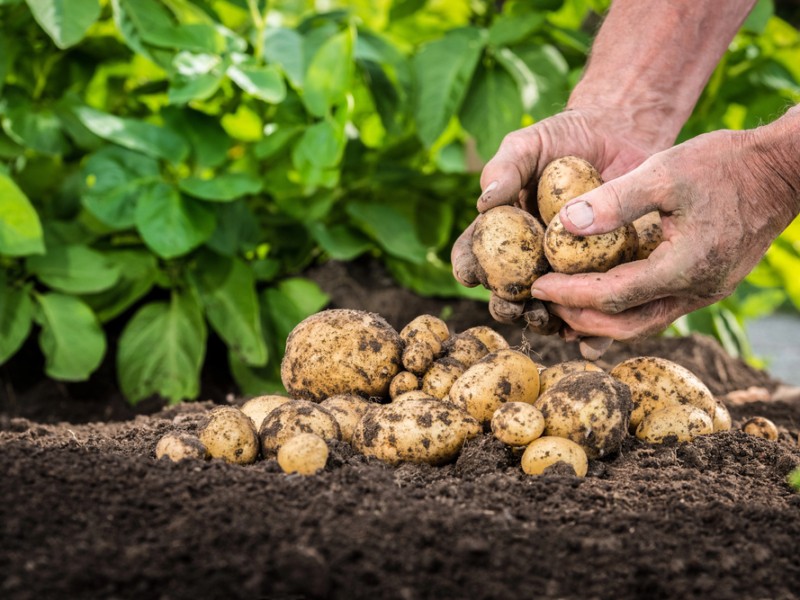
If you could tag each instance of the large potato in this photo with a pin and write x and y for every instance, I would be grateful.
(507, 243)
(568, 253)
(259, 407)
(562, 180)
(416, 430)
(293, 418)
(657, 382)
(347, 409)
(229, 434)
(502, 376)
(341, 351)
(551, 375)
(674, 422)
(548, 453)
(591, 409)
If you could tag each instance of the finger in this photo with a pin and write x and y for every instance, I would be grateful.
(509, 170)
(540, 320)
(505, 311)
(631, 325)
(466, 269)
(592, 348)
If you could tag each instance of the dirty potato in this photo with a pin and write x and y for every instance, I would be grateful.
(304, 454)
(229, 434)
(550, 454)
(551, 375)
(568, 253)
(293, 418)
(423, 338)
(466, 349)
(259, 407)
(674, 423)
(761, 427)
(347, 409)
(517, 423)
(722, 418)
(648, 230)
(178, 446)
(490, 338)
(563, 180)
(441, 376)
(404, 381)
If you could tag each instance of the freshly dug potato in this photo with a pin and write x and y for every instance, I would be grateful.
(517, 423)
(591, 409)
(259, 407)
(347, 409)
(568, 253)
(490, 338)
(721, 418)
(761, 427)
(341, 351)
(415, 430)
(295, 417)
(562, 180)
(404, 381)
(229, 434)
(657, 382)
(466, 349)
(441, 376)
(648, 230)
(675, 422)
(305, 453)
(418, 395)
(507, 243)
(177, 446)
(551, 375)
(502, 376)
(423, 338)
(547, 454)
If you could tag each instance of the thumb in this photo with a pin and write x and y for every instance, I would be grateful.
(511, 168)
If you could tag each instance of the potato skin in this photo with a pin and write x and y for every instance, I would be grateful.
(761, 427)
(507, 243)
(341, 351)
(229, 434)
(548, 453)
(293, 418)
(650, 234)
(418, 430)
(568, 253)
(305, 454)
(517, 423)
(674, 423)
(441, 377)
(563, 180)
(591, 409)
(551, 375)
(490, 338)
(347, 409)
(722, 418)
(179, 446)
(466, 349)
(404, 381)
(259, 407)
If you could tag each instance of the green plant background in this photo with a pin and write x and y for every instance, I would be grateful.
(172, 166)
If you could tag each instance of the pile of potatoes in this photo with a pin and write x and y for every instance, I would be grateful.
(420, 394)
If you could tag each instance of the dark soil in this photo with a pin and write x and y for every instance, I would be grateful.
(87, 512)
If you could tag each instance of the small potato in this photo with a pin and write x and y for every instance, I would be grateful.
(517, 423)
(676, 423)
(304, 453)
(547, 454)
(568, 253)
(419, 356)
(563, 180)
(761, 427)
(648, 230)
(658, 382)
(178, 446)
(419, 430)
(502, 376)
(259, 407)
(347, 409)
(721, 418)
(490, 338)
(441, 376)
(551, 375)
(229, 434)
(466, 349)
(404, 381)
(591, 409)
(417, 395)
(295, 417)
(507, 243)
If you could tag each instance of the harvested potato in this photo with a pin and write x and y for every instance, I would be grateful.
(347, 409)
(761, 427)
(341, 351)
(418, 358)
(548, 454)
(517, 423)
(502, 376)
(658, 382)
(229, 434)
(466, 349)
(417, 395)
(404, 381)
(259, 407)
(419, 430)
(591, 409)
(423, 338)
(304, 453)
(722, 418)
(648, 230)
(507, 243)
(568, 253)
(178, 446)
(563, 180)
(293, 418)
(490, 338)
(674, 423)
(549, 376)
(441, 376)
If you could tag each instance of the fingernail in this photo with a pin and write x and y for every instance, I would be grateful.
(580, 214)
(540, 295)
(489, 188)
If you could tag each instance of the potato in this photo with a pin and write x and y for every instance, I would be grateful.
(490, 338)
(341, 351)
(547, 453)
(304, 453)
(507, 243)
(347, 409)
(404, 381)
(568, 253)
(417, 395)
(562, 180)
(293, 418)
(591, 409)
(549, 376)
(229, 434)
(441, 376)
(178, 446)
(648, 230)
(502, 376)
(418, 357)
(259, 407)
(466, 349)
(675, 422)
(419, 430)
(658, 382)
(517, 423)
(721, 418)
(423, 338)
(761, 427)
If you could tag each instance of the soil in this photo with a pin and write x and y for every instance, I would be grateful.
(87, 512)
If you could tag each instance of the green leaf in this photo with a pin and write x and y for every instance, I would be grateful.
(161, 350)
(195, 37)
(391, 229)
(432, 278)
(341, 242)
(8, 52)
(16, 317)
(38, 129)
(209, 142)
(794, 479)
(512, 29)
(328, 77)
(265, 83)
(291, 301)
(492, 109)
(114, 178)
(74, 269)
(541, 74)
(237, 229)
(321, 145)
(135, 17)
(222, 187)
(197, 77)
(442, 71)
(137, 274)
(170, 224)
(65, 21)
(20, 228)
(284, 47)
(758, 18)
(71, 338)
(276, 140)
(227, 289)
